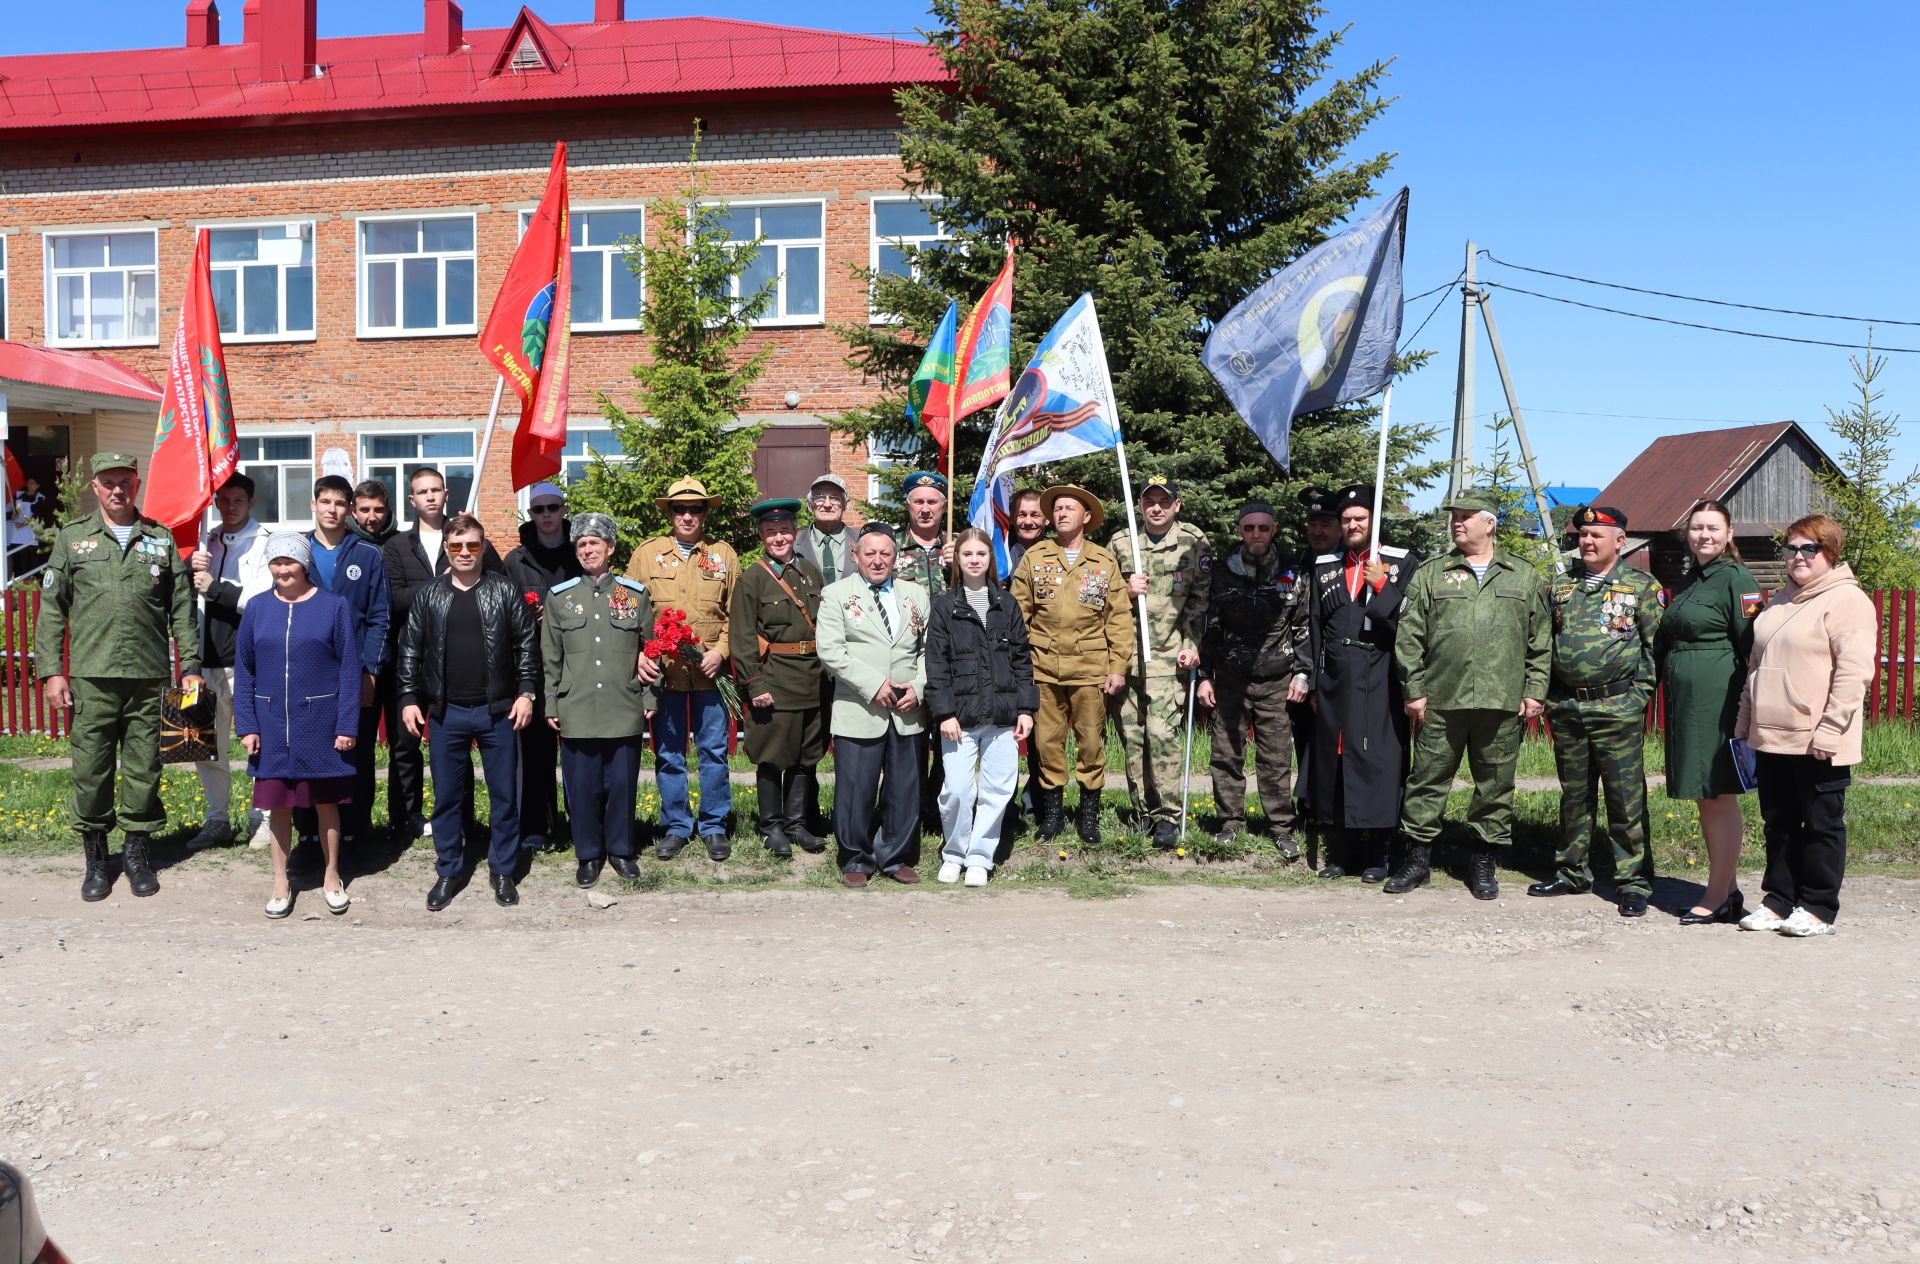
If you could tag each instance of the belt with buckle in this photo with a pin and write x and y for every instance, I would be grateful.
(1612, 689)
(790, 647)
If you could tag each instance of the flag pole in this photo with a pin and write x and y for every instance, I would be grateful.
(493, 416)
(1380, 470)
(1126, 487)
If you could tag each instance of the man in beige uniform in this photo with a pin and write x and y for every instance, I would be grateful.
(1073, 596)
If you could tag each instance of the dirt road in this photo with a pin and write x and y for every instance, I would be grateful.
(1193, 1073)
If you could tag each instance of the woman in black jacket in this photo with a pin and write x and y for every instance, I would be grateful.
(980, 692)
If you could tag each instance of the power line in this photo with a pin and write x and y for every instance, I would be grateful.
(1688, 324)
(1449, 287)
(1445, 285)
(1694, 298)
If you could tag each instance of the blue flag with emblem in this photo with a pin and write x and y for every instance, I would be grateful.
(1322, 332)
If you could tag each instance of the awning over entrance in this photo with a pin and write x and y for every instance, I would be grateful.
(70, 381)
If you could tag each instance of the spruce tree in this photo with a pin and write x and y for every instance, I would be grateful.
(1877, 513)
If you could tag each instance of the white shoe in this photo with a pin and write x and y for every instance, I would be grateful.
(1762, 918)
(337, 901)
(280, 906)
(1800, 924)
(262, 835)
(950, 872)
(976, 875)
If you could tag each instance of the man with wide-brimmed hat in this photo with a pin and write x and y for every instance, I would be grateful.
(689, 571)
(1072, 595)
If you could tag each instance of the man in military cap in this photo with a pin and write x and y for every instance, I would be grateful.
(925, 553)
(117, 586)
(1080, 624)
(599, 695)
(1248, 661)
(1605, 617)
(1358, 762)
(1323, 536)
(688, 571)
(1473, 652)
(1175, 561)
(773, 622)
(829, 543)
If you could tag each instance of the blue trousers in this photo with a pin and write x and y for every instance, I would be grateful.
(701, 714)
(450, 741)
(601, 775)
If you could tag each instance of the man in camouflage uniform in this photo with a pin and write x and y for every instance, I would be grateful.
(1249, 657)
(1605, 617)
(117, 586)
(925, 553)
(1473, 651)
(1150, 713)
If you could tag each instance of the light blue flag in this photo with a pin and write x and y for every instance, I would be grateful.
(1321, 333)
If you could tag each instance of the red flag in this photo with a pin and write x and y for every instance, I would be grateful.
(983, 353)
(194, 450)
(15, 478)
(529, 332)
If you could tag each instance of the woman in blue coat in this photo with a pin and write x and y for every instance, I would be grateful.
(296, 706)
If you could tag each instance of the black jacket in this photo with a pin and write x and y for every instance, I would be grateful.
(1256, 619)
(408, 572)
(978, 673)
(511, 645)
(537, 568)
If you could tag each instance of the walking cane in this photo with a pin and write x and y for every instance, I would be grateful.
(1186, 763)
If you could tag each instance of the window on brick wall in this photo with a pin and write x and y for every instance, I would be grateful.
(281, 467)
(606, 293)
(263, 281)
(793, 258)
(392, 458)
(416, 277)
(900, 225)
(583, 446)
(882, 455)
(103, 289)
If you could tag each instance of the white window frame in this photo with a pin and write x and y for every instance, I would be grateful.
(881, 459)
(128, 273)
(240, 282)
(614, 455)
(363, 297)
(612, 257)
(777, 318)
(397, 488)
(874, 315)
(301, 502)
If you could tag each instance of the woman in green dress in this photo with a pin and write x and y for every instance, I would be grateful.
(1704, 642)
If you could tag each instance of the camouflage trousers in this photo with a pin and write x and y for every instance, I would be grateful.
(1240, 705)
(1603, 740)
(1150, 715)
(1490, 742)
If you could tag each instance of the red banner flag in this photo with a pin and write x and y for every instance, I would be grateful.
(983, 353)
(194, 450)
(529, 331)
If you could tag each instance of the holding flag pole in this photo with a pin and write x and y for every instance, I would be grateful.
(1126, 490)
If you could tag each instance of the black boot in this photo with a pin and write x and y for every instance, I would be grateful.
(815, 821)
(1481, 878)
(1373, 850)
(1415, 870)
(772, 812)
(795, 793)
(1086, 816)
(1050, 812)
(98, 884)
(139, 866)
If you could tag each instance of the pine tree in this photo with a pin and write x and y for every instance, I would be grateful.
(694, 387)
(1167, 158)
(1877, 513)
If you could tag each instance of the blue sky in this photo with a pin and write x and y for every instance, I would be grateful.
(1759, 152)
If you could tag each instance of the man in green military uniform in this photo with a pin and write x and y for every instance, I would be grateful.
(1175, 560)
(1606, 615)
(116, 585)
(925, 551)
(1473, 651)
(771, 627)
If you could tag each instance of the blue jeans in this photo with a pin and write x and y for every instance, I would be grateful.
(450, 740)
(702, 712)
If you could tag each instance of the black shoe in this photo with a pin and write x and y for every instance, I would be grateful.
(719, 846)
(670, 846)
(1482, 878)
(1633, 904)
(505, 894)
(1415, 871)
(589, 872)
(1289, 848)
(98, 884)
(1166, 835)
(1556, 886)
(444, 889)
(1332, 871)
(1732, 909)
(777, 845)
(1086, 817)
(625, 867)
(1374, 873)
(772, 817)
(1050, 812)
(138, 864)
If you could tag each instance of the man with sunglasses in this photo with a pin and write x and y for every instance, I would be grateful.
(686, 570)
(545, 558)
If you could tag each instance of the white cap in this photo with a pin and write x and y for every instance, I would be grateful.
(545, 489)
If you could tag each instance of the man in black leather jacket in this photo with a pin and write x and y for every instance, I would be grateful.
(469, 657)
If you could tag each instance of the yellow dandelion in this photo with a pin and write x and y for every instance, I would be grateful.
(1063, 853)
(1180, 851)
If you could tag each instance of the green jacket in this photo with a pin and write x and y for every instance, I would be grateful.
(590, 641)
(1177, 567)
(1605, 631)
(1467, 645)
(119, 607)
(762, 611)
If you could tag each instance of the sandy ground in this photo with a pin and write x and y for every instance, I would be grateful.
(1184, 1074)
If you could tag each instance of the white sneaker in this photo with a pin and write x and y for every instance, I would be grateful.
(337, 901)
(976, 875)
(262, 835)
(280, 906)
(1800, 924)
(950, 872)
(1762, 918)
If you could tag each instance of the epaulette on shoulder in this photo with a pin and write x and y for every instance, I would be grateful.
(1324, 558)
(634, 584)
(565, 584)
(1388, 550)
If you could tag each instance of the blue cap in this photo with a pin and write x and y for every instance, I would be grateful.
(924, 478)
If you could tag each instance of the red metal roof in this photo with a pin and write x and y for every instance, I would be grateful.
(74, 371)
(1678, 471)
(386, 74)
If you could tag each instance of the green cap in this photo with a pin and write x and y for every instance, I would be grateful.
(104, 461)
(1474, 499)
(775, 509)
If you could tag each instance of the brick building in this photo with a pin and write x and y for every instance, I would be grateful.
(365, 195)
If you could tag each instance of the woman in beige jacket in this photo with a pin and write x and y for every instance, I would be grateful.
(1803, 710)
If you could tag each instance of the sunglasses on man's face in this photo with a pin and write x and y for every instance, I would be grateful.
(544, 508)
(1808, 551)
(687, 511)
(464, 546)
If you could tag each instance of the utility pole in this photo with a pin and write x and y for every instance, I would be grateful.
(1538, 496)
(1459, 475)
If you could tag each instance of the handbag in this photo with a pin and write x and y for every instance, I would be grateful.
(186, 726)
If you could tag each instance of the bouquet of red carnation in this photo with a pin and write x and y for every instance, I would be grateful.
(673, 638)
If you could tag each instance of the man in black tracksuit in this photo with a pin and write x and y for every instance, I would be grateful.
(545, 558)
